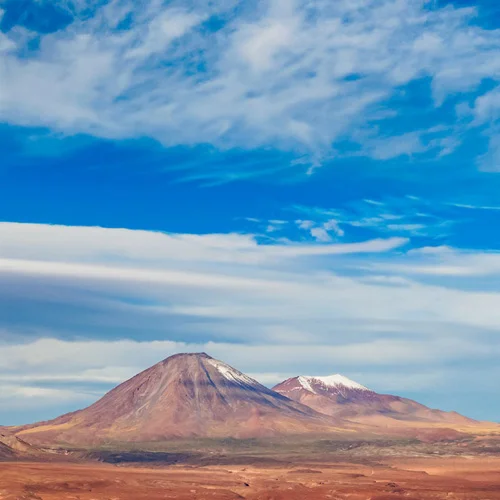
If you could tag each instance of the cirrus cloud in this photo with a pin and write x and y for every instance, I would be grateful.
(299, 75)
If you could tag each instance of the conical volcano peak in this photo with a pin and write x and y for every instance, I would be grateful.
(210, 367)
(187, 355)
(187, 394)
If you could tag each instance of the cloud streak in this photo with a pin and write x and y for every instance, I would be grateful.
(232, 276)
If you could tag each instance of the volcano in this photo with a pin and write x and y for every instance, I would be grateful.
(186, 395)
(342, 398)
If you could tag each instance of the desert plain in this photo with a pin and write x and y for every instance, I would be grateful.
(354, 472)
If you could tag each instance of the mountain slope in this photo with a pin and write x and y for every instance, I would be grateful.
(185, 395)
(342, 398)
(12, 447)
(6, 452)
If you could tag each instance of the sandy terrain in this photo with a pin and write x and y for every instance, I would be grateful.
(410, 479)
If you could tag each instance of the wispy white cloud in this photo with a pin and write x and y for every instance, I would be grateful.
(227, 277)
(320, 234)
(324, 232)
(474, 207)
(405, 217)
(445, 261)
(38, 242)
(385, 148)
(224, 276)
(298, 74)
(33, 397)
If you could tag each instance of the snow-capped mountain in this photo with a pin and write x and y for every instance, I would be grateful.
(185, 395)
(340, 397)
(333, 384)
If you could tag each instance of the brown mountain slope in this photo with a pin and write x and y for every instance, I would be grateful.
(344, 399)
(13, 447)
(185, 395)
(6, 452)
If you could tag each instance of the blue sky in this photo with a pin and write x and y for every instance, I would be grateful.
(296, 187)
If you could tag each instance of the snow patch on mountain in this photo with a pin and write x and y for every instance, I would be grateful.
(311, 383)
(340, 381)
(304, 382)
(231, 374)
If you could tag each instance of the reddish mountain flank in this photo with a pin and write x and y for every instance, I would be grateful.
(186, 395)
(345, 399)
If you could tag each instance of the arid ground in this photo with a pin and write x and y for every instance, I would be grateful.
(461, 478)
